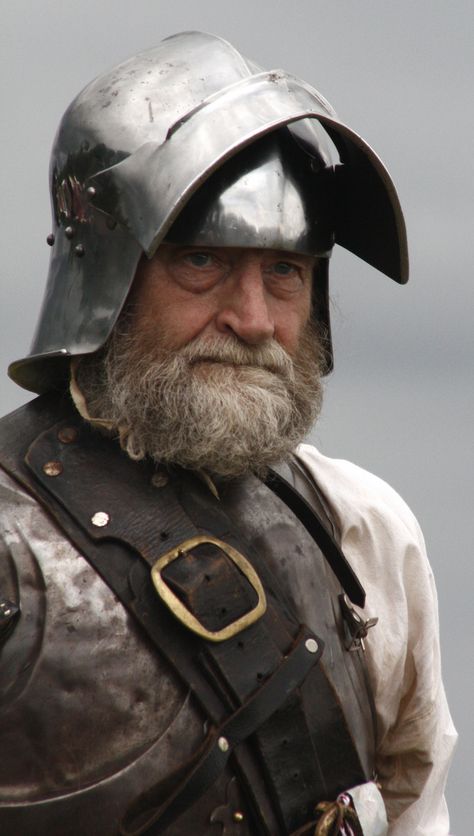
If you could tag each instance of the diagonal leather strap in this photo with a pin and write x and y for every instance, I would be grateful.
(333, 554)
(221, 742)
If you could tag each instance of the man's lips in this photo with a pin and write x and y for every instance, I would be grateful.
(233, 363)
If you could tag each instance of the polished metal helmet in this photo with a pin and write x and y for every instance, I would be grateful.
(192, 142)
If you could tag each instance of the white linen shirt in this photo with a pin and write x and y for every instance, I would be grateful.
(384, 545)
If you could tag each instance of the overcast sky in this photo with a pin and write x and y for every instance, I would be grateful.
(400, 400)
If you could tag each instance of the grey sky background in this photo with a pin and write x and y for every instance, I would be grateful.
(400, 401)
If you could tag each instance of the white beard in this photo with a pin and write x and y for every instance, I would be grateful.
(216, 404)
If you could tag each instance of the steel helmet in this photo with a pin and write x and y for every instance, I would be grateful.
(170, 144)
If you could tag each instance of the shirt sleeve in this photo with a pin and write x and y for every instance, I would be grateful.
(384, 545)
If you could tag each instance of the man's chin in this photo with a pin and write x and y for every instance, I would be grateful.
(223, 372)
(229, 413)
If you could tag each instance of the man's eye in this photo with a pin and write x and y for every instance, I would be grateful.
(283, 268)
(197, 269)
(199, 259)
(285, 276)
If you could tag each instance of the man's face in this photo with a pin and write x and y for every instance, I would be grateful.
(256, 295)
(214, 363)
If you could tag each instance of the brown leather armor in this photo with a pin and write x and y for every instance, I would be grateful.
(93, 715)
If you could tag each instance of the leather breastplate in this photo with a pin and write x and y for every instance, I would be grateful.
(266, 526)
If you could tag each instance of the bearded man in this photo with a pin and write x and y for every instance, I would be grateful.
(185, 646)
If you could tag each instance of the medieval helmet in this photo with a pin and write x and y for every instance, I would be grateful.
(169, 145)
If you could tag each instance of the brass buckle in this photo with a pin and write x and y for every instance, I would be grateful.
(181, 611)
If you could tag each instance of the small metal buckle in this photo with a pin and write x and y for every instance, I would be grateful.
(181, 611)
(356, 627)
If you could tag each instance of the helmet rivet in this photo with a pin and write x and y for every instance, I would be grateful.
(91, 191)
(69, 232)
(50, 239)
(79, 250)
(237, 816)
(53, 468)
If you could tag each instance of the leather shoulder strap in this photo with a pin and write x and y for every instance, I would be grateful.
(320, 532)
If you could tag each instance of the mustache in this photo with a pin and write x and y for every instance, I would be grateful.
(270, 356)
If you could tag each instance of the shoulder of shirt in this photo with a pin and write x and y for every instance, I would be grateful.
(353, 492)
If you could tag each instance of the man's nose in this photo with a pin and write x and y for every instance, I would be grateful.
(246, 308)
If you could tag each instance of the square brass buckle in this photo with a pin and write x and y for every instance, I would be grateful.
(181, 611)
